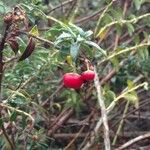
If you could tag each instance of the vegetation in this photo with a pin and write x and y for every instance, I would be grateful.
(74, 74)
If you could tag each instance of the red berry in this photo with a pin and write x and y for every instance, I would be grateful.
(72, 80)
(88, 75)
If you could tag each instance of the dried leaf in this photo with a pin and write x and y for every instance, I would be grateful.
(34, 31)
(29, 49)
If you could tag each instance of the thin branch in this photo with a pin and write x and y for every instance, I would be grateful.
(18, 110)
(109, 109)
(61, 5)
(38, 38)
(121, 22)
(103, 112)
(8, 138)
(102, 15)
(103, 118)
(121, 123)
(132, 141)
(124, 51)
(89, 17)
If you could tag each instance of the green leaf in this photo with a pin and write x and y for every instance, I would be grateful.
(62, 38)
(64, 35)
(115, 63)
(13, 116)
(117, 13)
(130, 28)
(88, 33)
(78, 29)
(96, 46)
(146, 86)
(130, 84)
(74, 49)
(24, 121)
(80, 39)
(138, 3)
(2, 9)
(1, 122)
(143, 53)
(109, 97)
(133, 98)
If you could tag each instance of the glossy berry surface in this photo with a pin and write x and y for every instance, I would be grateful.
(88, 75)
(72, 80)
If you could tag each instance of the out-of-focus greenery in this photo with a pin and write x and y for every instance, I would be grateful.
(28, 84)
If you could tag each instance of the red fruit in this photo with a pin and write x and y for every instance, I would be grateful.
(72, 80)
(88, 75)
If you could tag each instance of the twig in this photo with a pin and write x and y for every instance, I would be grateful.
(68, 135)
(18, 110)
(103, 112)
(134, 20)
(103, 119)
(124, 51)
(78, 134)
(72, 141)
(102, 15)
(109, 109)
(37, 37)
(78, 3)
(8, 138)
(121, 123)
(132, 141)
(61, 5)
(60, 122)
(89, 17)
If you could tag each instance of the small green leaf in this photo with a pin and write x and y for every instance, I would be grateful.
(143, 53)
(130, 84)
(1, 122)
(78, 29)
(56, 105)
(138, 3)
(64, 35)
(130, 28)
(133, 98)
(88, 33)
(115, 63)
(109, 97)
(2, 9)
(13, 116)
(146, 86)
(74, 49)
(96, 46)
(24, 121)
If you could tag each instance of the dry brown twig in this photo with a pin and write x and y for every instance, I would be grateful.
(103, 118)
(132, 141)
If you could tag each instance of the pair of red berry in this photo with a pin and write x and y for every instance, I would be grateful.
(75, 81)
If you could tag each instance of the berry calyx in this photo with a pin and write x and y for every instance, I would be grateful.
(72, 80)
(88, 75)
